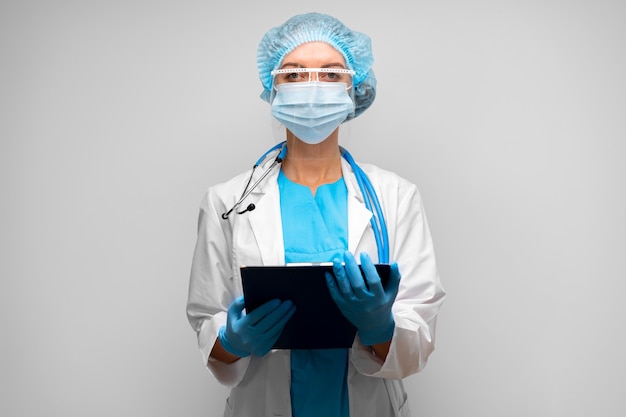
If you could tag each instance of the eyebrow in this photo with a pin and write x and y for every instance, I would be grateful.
(296, 65)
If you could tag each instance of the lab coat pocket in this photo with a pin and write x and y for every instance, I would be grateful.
(398, 398)
(404, 410)
(228, 409)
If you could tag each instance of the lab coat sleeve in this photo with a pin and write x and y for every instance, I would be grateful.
(212, 287)
(420, 294)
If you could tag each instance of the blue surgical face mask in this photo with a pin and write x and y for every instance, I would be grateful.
(312, 110)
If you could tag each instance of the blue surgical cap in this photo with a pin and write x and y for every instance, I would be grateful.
(355, 47)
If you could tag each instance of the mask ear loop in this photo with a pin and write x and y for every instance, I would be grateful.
(351, 93)
(272, 91)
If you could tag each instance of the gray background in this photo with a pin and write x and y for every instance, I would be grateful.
(116, 115)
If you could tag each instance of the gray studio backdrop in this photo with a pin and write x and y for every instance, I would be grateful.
(116, 115)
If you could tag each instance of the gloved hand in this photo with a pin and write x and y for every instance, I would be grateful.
(256, 332)
(362, 299)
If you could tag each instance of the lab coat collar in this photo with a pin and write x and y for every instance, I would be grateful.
(265, 220)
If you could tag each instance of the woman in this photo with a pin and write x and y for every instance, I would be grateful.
(318, 205)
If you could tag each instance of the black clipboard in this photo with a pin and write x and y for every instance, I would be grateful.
(317, 322)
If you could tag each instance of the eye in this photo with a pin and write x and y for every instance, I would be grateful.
(295, 76)
(330, 76)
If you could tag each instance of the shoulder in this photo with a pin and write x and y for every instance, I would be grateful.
(375, 171)
(230, 186)
(387, 179)
(224, 193)
(396, 193)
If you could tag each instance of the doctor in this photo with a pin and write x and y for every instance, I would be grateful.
(308, 201)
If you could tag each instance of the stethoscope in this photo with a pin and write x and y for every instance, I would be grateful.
(370, 197)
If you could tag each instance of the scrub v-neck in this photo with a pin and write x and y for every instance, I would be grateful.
(315, 229)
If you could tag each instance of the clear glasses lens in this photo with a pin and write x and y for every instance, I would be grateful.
(294, 75)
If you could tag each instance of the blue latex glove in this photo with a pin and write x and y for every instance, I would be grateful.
(362, 299)
(256, 332)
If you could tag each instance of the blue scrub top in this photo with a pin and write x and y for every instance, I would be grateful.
(315, 229)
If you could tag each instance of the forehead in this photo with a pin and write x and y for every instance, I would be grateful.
(313, 55)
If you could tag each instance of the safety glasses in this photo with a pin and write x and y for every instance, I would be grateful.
(294, 75)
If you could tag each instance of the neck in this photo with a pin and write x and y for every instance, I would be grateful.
(313, 165)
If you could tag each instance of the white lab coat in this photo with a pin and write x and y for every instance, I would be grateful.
(261, 385)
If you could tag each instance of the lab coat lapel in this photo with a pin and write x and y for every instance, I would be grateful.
(359, 216)
(266, 222)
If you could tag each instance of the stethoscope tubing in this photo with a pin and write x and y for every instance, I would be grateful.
(370, 198)
(248, 189)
